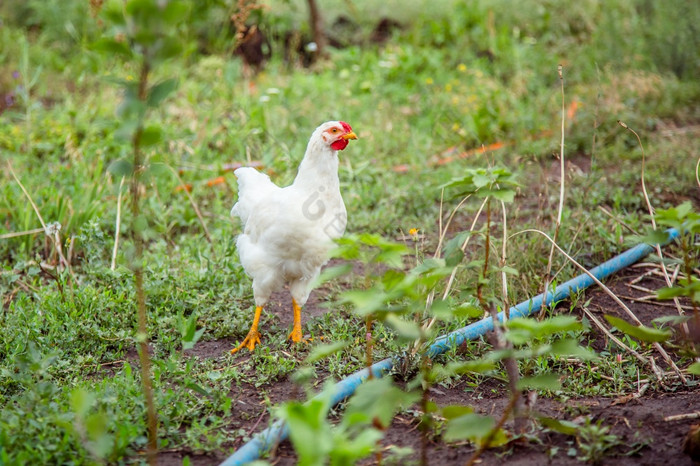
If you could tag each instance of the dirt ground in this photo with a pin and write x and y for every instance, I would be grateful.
(644, 436)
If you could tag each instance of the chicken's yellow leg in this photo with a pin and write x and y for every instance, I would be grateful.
(253, 337)
(295, 336)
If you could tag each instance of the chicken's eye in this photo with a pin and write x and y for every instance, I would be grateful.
(334, 130)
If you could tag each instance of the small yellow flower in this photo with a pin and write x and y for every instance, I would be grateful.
(413, 232)
(428, 80)
(462, 67)
(448, 87)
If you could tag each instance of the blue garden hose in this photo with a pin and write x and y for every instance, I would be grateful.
(274, 434)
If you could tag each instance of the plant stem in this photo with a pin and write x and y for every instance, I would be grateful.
(509, 363)
(368, 346)
(137, 267)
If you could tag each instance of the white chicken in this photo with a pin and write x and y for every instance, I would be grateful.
(288, 232)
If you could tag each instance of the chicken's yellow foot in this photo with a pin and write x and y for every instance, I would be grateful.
(253, 337)
(295, 335)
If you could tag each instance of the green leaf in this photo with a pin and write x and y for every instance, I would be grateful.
(190, 334)
(197, 389)
(471, 426)
(540, 382)
(167, 47)
(377, 400)
(475, 365)
(121, 167)
(694, 368)
(641, 332)
(151, 135)
(175, 12)
(81, 401)
(453, 411)
(408, 330)
(322, 351)
(452, 252)
(569, 347)
(161, 91)
(331, 273)
(110, 46)
(563, 427)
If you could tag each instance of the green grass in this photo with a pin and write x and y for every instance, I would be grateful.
(463, 75)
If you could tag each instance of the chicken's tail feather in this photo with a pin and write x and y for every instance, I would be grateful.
(252, 186)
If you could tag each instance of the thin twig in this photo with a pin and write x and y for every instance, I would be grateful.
(450, 280)
(682, 417)
(607, 290)
(22, 233)
(54, 237)
(117, 225)
(562, 184)
(619, 342)
(504, 277)
(684, 326)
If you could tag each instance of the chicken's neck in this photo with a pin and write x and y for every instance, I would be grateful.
(318, 169)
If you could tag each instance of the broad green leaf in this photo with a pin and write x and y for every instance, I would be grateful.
(365, 301)
(151, 135)
(408, 330)
(377, 400)
(694, 368)
(81, 401)
(568, 347)
(470, 426)
(563, 427)
(452, 251)
(161, 91)
(331, 273)
(640, 332)
(168, 47)
(112, 47)
(175, 12)
(321, 351)
(197, 389)
(476, 365)
(540, 382)
(453, 411)
(121, 167)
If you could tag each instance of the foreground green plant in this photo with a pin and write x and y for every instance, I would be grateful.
(145, 33)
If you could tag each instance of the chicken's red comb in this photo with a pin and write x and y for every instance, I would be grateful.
(345, 126)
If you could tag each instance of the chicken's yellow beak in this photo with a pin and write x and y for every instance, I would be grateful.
(350, 135)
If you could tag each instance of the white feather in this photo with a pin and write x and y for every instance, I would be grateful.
(288, 232)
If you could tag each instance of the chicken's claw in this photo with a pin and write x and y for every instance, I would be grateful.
(295, 336)
(252, 339)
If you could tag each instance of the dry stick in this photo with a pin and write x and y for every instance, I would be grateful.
(562, 181)
(450, 280)
(504, 277)
(631, 314)
(684, 326)
(487, 440)
(682, 417)
(617, 341)
(117, 226)
(697, 172)
(509, 363)
(612, 216)
(194, 206)
(54, 237)
(21, 233)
